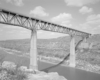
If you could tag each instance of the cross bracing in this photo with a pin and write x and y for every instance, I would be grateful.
(11, 18)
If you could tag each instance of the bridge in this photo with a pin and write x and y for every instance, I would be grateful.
(33, 24)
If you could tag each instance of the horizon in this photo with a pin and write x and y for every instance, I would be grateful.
(30, 38)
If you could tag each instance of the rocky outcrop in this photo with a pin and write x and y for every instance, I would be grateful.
(46, 76)
(25, 74)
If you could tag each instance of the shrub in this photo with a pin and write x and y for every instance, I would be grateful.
(12, 74)
(20, 75)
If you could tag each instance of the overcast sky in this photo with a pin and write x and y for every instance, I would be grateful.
(82, 15)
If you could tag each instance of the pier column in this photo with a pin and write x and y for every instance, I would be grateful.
(33, 50)
(72, 52)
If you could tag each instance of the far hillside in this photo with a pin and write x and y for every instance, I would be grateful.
(58, 47)
(55, 43)
(24, 44)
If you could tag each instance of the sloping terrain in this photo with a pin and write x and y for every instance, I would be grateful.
(19, 60)
(24, 44)
(58, 47)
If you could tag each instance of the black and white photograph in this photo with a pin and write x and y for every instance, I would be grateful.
(49, 40)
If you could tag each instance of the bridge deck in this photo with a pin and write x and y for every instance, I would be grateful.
(12, 18)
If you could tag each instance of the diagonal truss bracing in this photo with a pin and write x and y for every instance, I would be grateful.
(11, 18)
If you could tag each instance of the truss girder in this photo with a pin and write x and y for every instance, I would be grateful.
(11, 18)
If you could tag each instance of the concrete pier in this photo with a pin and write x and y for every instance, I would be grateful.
(33, 51)
(72, 52)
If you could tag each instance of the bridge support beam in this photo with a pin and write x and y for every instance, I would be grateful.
(72, 52)
(33, 50)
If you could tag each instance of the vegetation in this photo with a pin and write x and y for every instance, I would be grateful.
(12, 74)
(58, 48)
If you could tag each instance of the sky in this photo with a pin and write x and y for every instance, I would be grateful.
(83, 15)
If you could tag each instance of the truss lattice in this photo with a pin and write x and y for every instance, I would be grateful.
(11, 18)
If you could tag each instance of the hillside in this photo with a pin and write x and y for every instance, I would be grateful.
(48, 47)
(95, 38)
(56, 43)
(58, 47)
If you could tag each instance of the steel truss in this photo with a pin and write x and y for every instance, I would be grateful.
(11, 18)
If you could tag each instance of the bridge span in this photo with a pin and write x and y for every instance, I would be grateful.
(33, 24)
